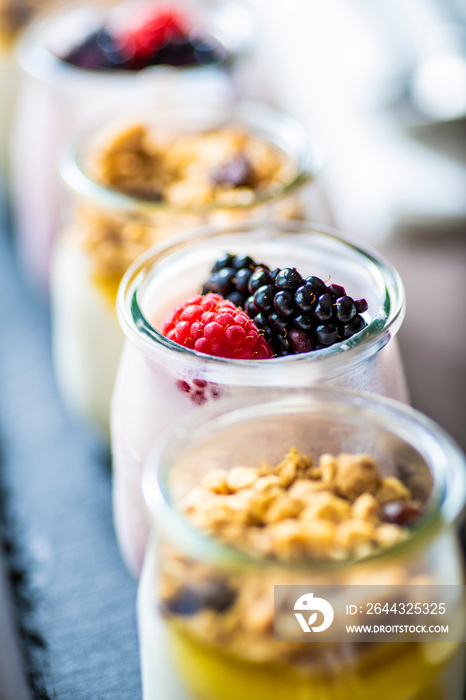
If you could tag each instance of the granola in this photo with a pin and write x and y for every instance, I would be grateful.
(289, 513)
(297, 509)
(213, 176)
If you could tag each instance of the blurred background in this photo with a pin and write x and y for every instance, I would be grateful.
(381, 86)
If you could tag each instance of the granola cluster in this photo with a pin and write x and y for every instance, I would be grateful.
(222, 167)
(208, 177)
(293, 512)
(335, 509)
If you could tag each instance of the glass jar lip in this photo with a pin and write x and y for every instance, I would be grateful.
(39, 61)
(307, 367)
(445, 459)
(254, 116)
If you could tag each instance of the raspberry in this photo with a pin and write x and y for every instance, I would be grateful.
(215, 326)
(155, 28)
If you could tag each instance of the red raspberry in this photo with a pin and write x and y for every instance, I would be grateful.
(215, 326)
(154, 28)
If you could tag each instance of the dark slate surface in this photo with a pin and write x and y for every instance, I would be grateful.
(57, 481)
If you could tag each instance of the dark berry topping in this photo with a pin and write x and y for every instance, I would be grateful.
(225, 260)
(281, 346)
(213, 595)
(401, 513)
(263, 298)
(283, 303)
(300, 341)
(237, 172)
(316, 283)
(304, 322)
(294, 315)
(250, 308)
(237, 299)
(243, 276)
(240, 262)
(345, 309)
(225, 281)
(353, 327)
(278, 324)
(327, 334)
(305, 297)
(288, 278)
(324, 307)
(259, 278)
(336, 290)
(361, 305)
(158, 37)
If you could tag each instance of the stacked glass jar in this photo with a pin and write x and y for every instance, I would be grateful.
(63, 88)
(206, 608)
(159, 380)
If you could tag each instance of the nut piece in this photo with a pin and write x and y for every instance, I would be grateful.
(356, 474)
(392, 489)
(216, 481)
(241, 478)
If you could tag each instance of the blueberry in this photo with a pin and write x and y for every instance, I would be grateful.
(262, 322)
(224, 260)
(284, 303)
(263, 298)
(209, 595)
(354, 326)
(288, 278)
(242, 261)
(345, 309)
(278, 324)
(327, 334)
(237, 299)
(224, 281)
(304, 322)
(337, 290)
(361, 305)
(305, 298)
(242, 279)
(300, 341)
(211, 285)
(316, 283)
(249, 307)
(281, 345)
(324, 307)
(259, 278)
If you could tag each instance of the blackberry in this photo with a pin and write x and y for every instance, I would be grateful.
(296, 315)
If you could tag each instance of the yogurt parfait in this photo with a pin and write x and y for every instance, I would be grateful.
(311, 490)
(82, 62)
(326, 312)
(136, 183)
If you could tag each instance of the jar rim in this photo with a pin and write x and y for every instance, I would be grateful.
(267, 123)
(441, 454)
(38, 60)
(302, 369)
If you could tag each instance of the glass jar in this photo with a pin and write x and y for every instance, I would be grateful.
(108, 230)
(227, 651)
(158, 380)
(57, 99)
